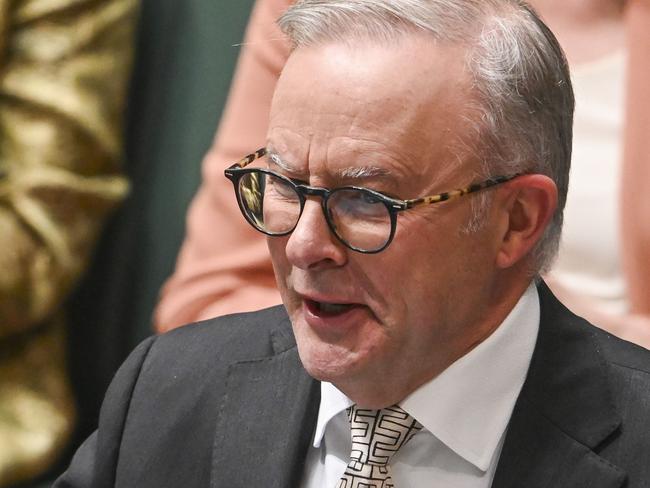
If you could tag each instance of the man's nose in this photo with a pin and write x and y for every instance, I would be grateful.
(312, 244)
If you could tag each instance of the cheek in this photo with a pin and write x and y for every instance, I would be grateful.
(429, 268)
(281, 266)
(404, 279)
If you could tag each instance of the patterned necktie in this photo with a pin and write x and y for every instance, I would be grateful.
(376, 436)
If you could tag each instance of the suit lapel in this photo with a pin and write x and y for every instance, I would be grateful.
(565, 410)
(267, 419)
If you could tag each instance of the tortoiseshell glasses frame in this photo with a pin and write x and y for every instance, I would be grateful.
(350, 195)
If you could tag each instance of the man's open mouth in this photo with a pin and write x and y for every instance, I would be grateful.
(325, 309)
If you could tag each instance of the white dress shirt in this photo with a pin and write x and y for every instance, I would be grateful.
(465, 411)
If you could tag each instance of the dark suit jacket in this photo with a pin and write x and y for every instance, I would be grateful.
(227, 403)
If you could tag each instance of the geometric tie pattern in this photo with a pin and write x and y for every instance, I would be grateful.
(376, 436)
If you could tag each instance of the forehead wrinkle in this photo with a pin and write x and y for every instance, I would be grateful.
(350, 172)
(373, 157)
(275, 158)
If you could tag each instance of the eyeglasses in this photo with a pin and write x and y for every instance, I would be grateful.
(364, 220)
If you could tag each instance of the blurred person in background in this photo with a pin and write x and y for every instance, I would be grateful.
(597, 266)
(65, 64)
(636, 169)
(224, 264)
(602, 273)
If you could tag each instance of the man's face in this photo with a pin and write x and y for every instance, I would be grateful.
(392, 119)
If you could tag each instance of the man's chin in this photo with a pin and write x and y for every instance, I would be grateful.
(326, 362)
(339, 356)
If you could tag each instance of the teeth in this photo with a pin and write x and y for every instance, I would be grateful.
(333, 308)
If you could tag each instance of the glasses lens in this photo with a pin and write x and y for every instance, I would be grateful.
(270, 203)
(360, 218)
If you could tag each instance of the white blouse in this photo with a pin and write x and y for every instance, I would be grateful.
(589, 261)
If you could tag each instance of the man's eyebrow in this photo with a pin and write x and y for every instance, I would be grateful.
(361, 172)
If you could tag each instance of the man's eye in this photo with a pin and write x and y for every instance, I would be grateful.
(281, 189)
(368, 198)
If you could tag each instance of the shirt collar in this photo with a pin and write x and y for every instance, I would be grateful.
(468, 405)
(332, 401)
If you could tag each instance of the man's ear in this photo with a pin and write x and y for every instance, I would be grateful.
(527, 209)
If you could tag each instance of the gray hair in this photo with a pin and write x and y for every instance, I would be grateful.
(524, 104)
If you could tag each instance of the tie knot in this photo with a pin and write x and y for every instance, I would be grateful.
(378, 434)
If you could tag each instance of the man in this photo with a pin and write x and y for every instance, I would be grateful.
(409, 308)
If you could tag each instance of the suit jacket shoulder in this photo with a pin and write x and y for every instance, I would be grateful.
(167, 419)
(581, 418)
(623, 354)
(221, 340)
(629, 370)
